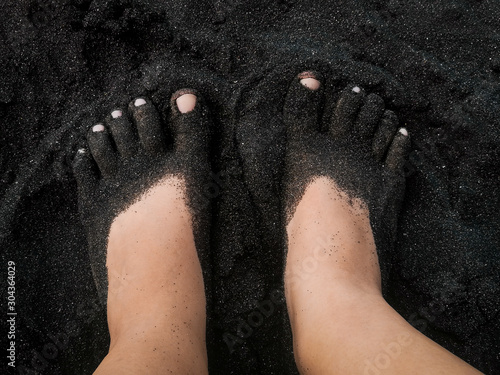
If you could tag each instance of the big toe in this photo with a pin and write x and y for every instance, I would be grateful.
(148, 124)
(189, 122)
(303, 104)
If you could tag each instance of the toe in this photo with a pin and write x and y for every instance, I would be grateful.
(123, 133)
(384, 134)
(185, 101)
(346, 111)
(369, 116)
(102, 149)
(84, 170)
(148, 124)
(303, 104)
(398, 151)
(189, 122)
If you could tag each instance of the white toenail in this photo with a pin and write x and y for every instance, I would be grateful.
(310, 83)
(404, 132)
(139, 102)
(116, 114)
(98, 128)
(356, 89)
(81, 151)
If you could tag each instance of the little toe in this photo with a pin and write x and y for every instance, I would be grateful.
(369, 116)
(123, 133)
(384, 134)
(84, 170)
(398, 151)
(148, 124)
(346, 111)
(102, 149)
(189, 122)
(303, 104)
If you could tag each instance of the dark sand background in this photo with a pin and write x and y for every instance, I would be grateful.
(64, 64)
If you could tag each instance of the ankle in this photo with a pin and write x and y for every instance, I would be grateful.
(172, 329)
(329, 323)
(327, 298)
(338, 290)
(155, 355)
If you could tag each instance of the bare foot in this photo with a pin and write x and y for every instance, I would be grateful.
(344, 190)
(335, 180)
(361, 152)
(139, 203)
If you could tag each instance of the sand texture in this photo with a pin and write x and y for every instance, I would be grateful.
(65, 64)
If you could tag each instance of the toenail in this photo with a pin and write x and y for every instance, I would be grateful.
(116, 114)
(356, 89)
(98, 128)
(186, 103)
(404, 132)
(139, 102)
(311, 83)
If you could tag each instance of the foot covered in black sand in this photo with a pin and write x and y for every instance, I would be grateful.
(128, 155)
(358, 145)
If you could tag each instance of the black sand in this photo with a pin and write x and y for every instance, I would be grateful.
(65, 64)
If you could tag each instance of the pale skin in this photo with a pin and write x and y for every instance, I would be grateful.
(341, 324)
(340, 321)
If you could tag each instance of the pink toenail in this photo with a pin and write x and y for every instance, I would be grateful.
(186, 103)
(356, 89)
(404, 132)
(139, 102)
(98, 128)
(116, 114)
(311, 83)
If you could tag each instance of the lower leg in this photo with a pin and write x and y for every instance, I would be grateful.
(156, 300)
(340, 321)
